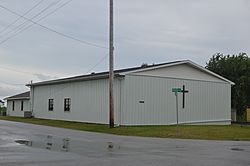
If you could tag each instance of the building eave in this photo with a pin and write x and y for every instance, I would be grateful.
(73, 79)
(123, 72)
(155, 67)
(210, 72)
(21, 98)
(94, 76)
(179, 63)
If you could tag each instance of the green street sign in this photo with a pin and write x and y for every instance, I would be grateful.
(176, 90)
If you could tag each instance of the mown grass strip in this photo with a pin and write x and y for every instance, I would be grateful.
(206, 132)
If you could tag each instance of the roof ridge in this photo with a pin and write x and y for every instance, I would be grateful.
(20, 95)
(104, 73)
(122, 72)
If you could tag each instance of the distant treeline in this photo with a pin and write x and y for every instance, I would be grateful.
(237, 69)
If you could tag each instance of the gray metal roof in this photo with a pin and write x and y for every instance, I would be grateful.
(99, 75)
(122, 72)
(25, 95)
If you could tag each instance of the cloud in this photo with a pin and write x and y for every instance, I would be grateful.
(43, 77)
(6, 91)
(147, 31)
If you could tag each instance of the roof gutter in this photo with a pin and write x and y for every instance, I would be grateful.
(68, 80)
(183, 62)
(18, 98)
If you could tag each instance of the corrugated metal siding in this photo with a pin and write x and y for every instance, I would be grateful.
(205, 102)
(17, 111)
(182, 71)
(89, 101)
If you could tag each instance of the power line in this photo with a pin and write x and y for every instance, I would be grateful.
(94, 66)
(98, 63)
(58, 91)
(17, 29)
(31, 73)
(50, 29)
(28, 11)
(8, 83)
(17, 71)
(68, 85)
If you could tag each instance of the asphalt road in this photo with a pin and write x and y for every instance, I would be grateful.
(34, 145)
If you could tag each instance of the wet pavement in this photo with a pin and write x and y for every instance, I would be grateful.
(34, 145)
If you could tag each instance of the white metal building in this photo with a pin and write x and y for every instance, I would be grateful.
(142, 96)
(18, 104)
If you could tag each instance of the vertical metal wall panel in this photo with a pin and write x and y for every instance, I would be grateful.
(139, 100)
(205, 102)
(17, 111)
(89, 101)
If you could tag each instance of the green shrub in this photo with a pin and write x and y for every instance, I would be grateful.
(3, 111)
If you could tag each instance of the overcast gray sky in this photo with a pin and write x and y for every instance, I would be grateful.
(146, 31)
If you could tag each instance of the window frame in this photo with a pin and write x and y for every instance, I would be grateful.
(67, 104)
(50, 104)
(21, 105)
(13, 105)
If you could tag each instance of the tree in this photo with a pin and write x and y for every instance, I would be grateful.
(237, 69)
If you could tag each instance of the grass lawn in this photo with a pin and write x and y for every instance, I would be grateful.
(232, 132)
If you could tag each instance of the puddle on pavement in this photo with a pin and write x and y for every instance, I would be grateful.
(66, 145)
(92, 148)
(49, 143)
(237, 149)
(24, 142)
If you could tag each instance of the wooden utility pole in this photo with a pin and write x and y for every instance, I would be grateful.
(111, 66)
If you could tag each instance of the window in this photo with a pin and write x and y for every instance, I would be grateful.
(13, 105)
(51, 104)
(67, 104)
(21, 105)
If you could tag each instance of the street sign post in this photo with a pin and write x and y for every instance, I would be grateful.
(176, 91)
